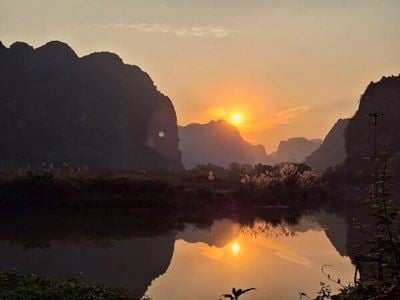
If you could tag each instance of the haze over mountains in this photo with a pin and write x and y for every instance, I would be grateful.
(97, 111)
(94, 110)
(295, 150)
(332, 152)
(351, 143)
(219, 143)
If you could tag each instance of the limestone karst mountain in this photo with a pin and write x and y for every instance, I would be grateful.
(295, 150)
(336, 228)
(92, 110)
(382, 98)
(332, 152)
(219, 143)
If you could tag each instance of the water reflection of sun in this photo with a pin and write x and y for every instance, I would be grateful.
(235, 247)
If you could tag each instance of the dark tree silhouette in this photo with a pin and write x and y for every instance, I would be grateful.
(236, 293)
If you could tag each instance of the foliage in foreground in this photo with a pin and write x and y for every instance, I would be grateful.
(207, 184)
(35, 287)
(379, 267)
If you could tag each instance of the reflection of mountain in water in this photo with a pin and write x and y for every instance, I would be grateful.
(221, 233)
(335, 229)
(132, 263)
(132, 249)
(114, 248)
(225, 231)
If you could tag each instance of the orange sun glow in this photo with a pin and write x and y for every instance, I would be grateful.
(236, 118)
(235, 248)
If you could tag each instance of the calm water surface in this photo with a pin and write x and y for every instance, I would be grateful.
(183, 261)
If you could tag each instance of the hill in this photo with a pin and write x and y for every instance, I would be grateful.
(219, 143)
(332, 152)
(383, 98)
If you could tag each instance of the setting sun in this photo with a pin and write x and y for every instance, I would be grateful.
(236, 118)
(235, 248)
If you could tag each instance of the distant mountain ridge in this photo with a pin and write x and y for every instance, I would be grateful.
(332, 152)
(219, 143)
(92, 110)
(295, 150)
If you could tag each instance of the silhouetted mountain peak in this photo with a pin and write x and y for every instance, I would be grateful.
(381, 97)
(111, 62)
(56, 50)
(104, 58)
(220, 129)
(217, 142)
(223, 125)
(300, 140)
(295, 139)
(295, 149)
(216, 125)
(21, 48)
(221, 122)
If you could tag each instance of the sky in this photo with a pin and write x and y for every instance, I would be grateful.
(289, 68)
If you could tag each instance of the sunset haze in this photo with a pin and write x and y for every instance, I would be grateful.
(284, 65)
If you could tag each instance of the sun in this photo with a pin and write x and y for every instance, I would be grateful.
(236, 118)
(235, 247)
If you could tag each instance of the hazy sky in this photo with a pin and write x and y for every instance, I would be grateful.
(291, 68)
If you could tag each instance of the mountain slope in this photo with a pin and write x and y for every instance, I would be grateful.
(332, 152)
(382, 97)
(217, 142)
(92, 110)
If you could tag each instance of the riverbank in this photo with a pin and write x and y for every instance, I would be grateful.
(205, 186)
(15, 285)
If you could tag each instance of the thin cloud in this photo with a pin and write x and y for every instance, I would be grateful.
(183, 31)
(218, 112)
(288, 116)
(278, 119)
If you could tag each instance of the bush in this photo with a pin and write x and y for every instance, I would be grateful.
(35, 287)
